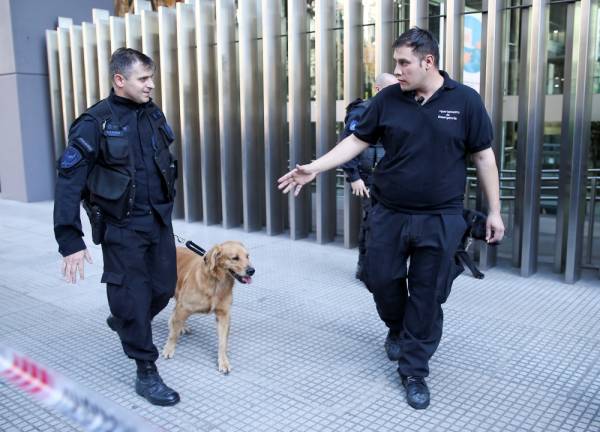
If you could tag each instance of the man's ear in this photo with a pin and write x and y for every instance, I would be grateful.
(119, 80)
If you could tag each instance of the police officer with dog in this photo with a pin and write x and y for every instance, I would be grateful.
(428, 125)
(118, 164)
(359, 170)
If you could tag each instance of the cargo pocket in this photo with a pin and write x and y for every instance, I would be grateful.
(453, 272)
(119, 299)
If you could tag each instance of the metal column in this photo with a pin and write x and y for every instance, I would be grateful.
(535, 101)
(208, 108)
(188, 112)
(90, 63)
(325, 117)
(100, 19)
(564, 199)
(353, 85)
(229, 115)
(273, 114)
(66, 82)
(251, 120)
(299, 112)
(133, 31)
(76, 41)
(384, 36)
(579, 122)
(117, 32)
(419, 15)
(55, 100)
(491, 89)
(167, 30)
(454, 38)
(151, 47)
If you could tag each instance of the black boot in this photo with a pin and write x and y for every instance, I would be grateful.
(417, 393)
(392, 345)
(149, 385)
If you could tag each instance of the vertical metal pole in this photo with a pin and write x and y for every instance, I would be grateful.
(535, 101)
(140, 6)
(117, 32)
(564, 200)
(454, 38)
(90, 63)
(252, 155)
(133, 31)
(167, 30)
(492, 97)
(325, 115)
(523, 120)
(353, 85)
(188, 109)
(384, 36)
(55, 99)
(299, 109)
(590, 227)
(585, 48)
(66, 81)
(229, 115)
(151, 47)
(419, 14)
(100, 18)
(273, 113)
(79, 98)
(208, 108)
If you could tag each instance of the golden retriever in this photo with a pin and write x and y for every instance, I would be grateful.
(204, 285)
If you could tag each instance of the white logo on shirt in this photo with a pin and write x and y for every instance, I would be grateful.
(448, 115)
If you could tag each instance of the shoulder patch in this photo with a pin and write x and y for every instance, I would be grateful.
(70, 157)
(157, 114)
(352, 125)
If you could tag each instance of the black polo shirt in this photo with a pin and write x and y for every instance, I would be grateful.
(424, 167)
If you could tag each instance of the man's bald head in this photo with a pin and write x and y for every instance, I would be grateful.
(385, 79)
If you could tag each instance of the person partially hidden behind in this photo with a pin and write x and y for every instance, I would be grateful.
(428, 125)
(118, 163)
(359, 170)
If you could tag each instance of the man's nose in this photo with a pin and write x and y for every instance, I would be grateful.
(151, 84)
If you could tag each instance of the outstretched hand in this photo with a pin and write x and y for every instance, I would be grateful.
(72, 264)
(296, 178)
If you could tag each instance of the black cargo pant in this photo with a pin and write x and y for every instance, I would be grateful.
(140, 274)
(409, 299)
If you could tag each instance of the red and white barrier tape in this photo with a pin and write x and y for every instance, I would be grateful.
(92, 412)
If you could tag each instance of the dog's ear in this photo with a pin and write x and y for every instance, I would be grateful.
(213, 257)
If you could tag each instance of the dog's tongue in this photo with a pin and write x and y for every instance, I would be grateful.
(247, 279)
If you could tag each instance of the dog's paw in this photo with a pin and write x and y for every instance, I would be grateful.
(168, 351)
(185, 330)
(224, 366)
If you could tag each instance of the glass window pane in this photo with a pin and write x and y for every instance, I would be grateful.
(473, 5)
(557, 27)
(472, 50)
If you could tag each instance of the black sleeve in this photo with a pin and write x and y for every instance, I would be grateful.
(73, 168)
(479, 126)
(352, 119)
(368, 128)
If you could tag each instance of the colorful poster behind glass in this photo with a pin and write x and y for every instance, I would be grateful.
(472, 51)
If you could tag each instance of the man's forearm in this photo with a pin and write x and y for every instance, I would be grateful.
(487, 172)
(344, 151)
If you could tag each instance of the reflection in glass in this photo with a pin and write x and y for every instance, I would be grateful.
(557, 27)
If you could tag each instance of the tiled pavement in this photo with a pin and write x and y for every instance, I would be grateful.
(306, 345)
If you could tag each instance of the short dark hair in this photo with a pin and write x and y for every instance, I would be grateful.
(123, 59)
(421, 41)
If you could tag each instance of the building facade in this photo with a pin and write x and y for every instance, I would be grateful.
(252, 87)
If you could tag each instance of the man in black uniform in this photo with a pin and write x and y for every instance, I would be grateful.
(359, 169)
(118, 162)
(427, 124)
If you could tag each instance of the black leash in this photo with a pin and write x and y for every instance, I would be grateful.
(191, 245)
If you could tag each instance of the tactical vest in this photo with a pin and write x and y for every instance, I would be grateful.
(111, 182)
